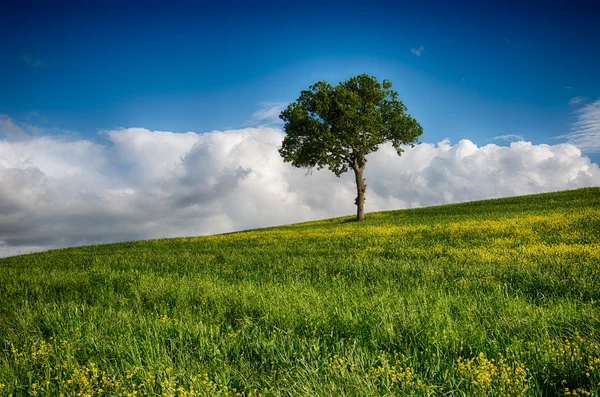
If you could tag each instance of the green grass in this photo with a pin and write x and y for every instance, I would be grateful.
(498, 297)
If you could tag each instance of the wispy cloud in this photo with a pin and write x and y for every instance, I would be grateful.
(585, 131)
(36, 63)
(576, 100)
(268, 113)
(16, 130)
(417, 51)
(510, 138)
(35, 115)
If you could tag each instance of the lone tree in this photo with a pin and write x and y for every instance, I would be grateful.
(336, 127)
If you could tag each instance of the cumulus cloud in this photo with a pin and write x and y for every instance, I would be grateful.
(57, 192)
(585, 131)
(417, 51)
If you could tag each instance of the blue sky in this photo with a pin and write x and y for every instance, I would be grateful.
(465, 70)
(96, 102)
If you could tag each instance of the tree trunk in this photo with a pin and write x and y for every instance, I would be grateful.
(360, 197)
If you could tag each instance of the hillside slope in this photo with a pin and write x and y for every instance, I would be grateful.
(497, 297)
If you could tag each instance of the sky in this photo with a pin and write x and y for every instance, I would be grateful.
(124, 120)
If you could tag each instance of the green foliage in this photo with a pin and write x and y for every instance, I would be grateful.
(337, 126)
(490, 298)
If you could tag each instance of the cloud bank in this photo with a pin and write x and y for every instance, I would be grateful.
(62, 191)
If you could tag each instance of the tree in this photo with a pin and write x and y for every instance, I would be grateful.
(336, 127)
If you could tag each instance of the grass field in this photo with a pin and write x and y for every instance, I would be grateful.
(498, 297)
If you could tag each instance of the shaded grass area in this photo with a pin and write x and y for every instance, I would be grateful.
(497, 297)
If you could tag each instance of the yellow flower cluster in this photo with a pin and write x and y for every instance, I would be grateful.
(394, 374)
(574, 356)
(489, 376)
(38, 352)
(340, 365)
(70, 378)
(579, 392)
(165, 319)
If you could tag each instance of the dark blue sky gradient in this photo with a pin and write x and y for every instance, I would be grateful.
(487, 68)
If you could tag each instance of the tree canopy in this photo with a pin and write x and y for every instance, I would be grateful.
(337, 126)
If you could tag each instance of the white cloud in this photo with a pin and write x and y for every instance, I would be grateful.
(268, 113)
(14, 130)
(444, 173)
(417, 51)
(576, 100)
(57, 192)
(585, 131)
(150, 155)
(36, 63)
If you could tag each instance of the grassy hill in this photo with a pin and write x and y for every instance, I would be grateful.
(498, 297)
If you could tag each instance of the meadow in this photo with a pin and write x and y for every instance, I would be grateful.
(489, 298)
